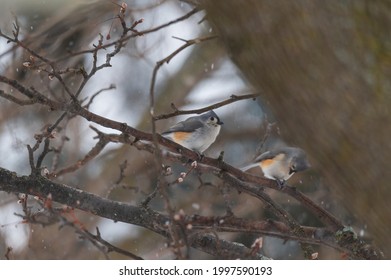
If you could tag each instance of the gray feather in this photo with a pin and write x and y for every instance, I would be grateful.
(292, 151)
(188, 125)
(193, 123)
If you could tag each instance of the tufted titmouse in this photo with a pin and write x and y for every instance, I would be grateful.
(280, 164)
(195, 133)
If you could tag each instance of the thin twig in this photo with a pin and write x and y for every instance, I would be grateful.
(124, 212)
(153, 83)
(135, 34)
(109, 247)
(233, 98)
(112, 86)
(169, 226)
(95, 151)
(17, 100)
(326, 217)
(7, 254)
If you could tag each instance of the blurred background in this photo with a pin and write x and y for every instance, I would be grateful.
(322, 69)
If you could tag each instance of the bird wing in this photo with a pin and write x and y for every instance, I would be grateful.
(292, 151)
(188, 125)
(264, 156)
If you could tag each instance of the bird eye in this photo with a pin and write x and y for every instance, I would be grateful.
(212, 119)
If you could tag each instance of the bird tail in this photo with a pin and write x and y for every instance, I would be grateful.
(248, 167)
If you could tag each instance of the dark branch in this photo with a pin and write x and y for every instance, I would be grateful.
(233, 98)
(117, 211)
(135, 34)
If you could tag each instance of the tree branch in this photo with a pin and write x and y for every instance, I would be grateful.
(231, 99)
(117, 211)
(134, 35)
(334, 234)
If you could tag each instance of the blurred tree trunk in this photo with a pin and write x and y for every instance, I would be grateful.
(324, 70)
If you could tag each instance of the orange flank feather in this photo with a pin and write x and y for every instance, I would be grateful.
(266, 162)
(180, 136)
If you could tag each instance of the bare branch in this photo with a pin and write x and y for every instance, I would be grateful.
(99, 146)
(96, 205)
(112, 86)
(233, 98)
(182, 231)
(153, 82)
(104, 246)
(7, 254)
(16, 100)
(31, 159)
(326, 217)
(45, 151)
(31, 93)
(137, 34)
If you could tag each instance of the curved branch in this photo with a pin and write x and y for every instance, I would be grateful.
(124, 39)
(152, 220)
(117, 211)
(231, 99)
